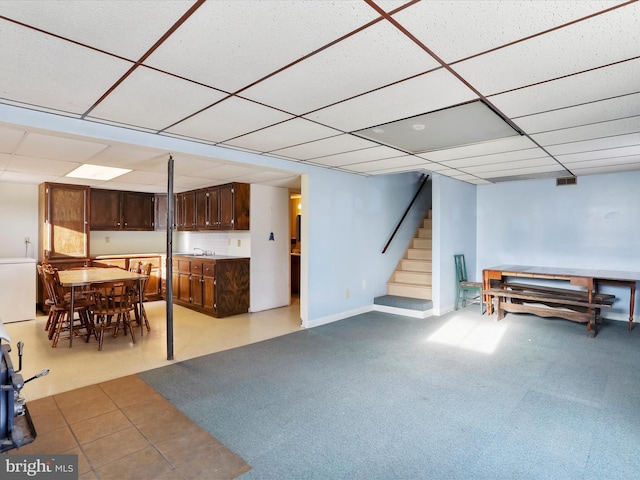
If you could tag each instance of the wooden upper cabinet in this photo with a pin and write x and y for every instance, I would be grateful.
(137, 211)
(63, 221)
(202, 210)
(186, 210)
(160, 211)
(118, 210)
(229, 206)
(105, 209)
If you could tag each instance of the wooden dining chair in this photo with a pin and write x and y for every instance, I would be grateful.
(79, 323)
(138, 299)
(466, 291)
(112, 309)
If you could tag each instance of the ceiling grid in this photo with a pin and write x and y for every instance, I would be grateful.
(302, 81)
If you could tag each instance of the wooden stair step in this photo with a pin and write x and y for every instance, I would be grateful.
(410, 265)
(422, 233)
(413, 291)
(414, 278)
(419, 253)
(421, 243)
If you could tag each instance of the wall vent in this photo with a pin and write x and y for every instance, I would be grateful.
(566, 181)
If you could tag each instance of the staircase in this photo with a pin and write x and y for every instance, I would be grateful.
(412, 277)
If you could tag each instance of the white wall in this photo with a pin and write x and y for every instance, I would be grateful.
(594, 224)
(349, 219)
(19, 220)
(270, 259)
(107, 243)
(454, 231)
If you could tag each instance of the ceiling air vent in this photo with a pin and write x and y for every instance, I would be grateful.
(566, 181)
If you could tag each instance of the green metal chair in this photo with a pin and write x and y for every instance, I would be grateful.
(466, 291)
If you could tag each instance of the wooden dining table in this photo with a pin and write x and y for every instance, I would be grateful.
(82, 277)
(589, 279)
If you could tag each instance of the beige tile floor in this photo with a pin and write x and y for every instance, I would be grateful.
(194, 335)
(94, 406)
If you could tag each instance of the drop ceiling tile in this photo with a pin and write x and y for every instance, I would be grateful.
(357, 156)
(408, 162)
(465, 177)
(76, 77)
(9, 139)
(610, 109)
(588, 132)
(604, 162)
(5, 158)
(19, 163)
(27, 178)
(591, 86)
(521, 171)
(480, 26)
(160, 100)
(520, 164)
(286, 134)
(506, 157)
(596, 144)
(182, 164)
(245, 41)
(58, 148)
(228, 119)
(370, 59)
(437, 167)
(605, 170)
(510, 144)
(229, 171)
(426, 93)
(116, 155)
(184, 183)
(574, 48)
(262, 177)
(326, 146)
(143, 178)
(127, 29)
(599, 154)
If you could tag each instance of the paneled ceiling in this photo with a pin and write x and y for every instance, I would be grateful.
(296, 79)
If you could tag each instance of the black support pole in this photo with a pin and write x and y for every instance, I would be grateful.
(169, 266)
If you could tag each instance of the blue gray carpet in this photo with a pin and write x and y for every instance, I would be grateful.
(461, 396)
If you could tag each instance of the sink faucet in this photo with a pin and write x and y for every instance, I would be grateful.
(204, 252)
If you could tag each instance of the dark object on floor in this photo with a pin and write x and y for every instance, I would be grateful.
(16, 426)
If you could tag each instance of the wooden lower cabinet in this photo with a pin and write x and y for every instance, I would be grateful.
(153, 290)
(217, 287)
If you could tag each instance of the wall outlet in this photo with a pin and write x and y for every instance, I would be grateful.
(238, 242)
(107, 239)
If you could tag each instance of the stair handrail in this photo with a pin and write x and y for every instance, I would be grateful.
(406, 212)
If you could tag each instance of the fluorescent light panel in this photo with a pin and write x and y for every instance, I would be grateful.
(97, 172)
(465, 124)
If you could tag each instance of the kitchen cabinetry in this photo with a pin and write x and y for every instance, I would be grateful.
(223, 207)
(160, 211)
(153, 290)
(216, 286)
(121, 210)
(63, 224)
(63, 214)
(186, 210)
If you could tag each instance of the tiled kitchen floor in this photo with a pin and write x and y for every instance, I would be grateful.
(92, 404)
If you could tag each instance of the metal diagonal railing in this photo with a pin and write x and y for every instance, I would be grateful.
(406, 212)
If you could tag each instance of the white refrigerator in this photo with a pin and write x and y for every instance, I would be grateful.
(18, 280)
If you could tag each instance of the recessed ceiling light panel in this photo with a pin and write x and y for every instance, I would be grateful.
(97, 172)
(469, 123)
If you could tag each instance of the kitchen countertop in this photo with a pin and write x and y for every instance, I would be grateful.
(206, 257)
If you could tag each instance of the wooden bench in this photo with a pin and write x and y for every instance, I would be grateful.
(545, 301)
